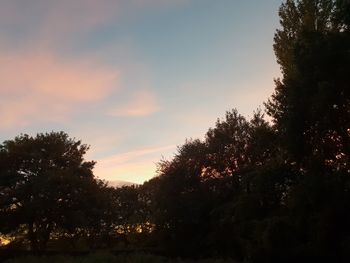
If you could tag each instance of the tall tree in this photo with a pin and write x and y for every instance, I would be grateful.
(311, 111)
(311, 103)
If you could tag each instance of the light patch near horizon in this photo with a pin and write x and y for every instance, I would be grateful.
(135, 166)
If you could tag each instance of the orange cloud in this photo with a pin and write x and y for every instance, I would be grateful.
(142, 103)
(43, 86)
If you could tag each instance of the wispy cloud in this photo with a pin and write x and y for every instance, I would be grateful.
(41, 86)
(142, 103)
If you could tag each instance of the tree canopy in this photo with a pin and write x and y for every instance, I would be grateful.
(46, 186)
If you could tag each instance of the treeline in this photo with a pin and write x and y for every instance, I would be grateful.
(252, 190)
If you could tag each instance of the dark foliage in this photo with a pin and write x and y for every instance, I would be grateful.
(47, 188)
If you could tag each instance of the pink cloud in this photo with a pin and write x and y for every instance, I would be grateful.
(43, 86)
(142, 103)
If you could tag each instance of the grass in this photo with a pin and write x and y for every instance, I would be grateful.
(107, 257)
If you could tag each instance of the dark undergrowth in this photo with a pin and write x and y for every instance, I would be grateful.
(106, 257)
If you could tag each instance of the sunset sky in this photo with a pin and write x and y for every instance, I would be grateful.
(132, 78)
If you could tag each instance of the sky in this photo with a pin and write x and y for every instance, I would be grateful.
(132, 78)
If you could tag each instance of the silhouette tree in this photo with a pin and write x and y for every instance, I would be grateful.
(311, 111)
(178, 200)
(311, 103)
(197, 193)
(46, 185)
